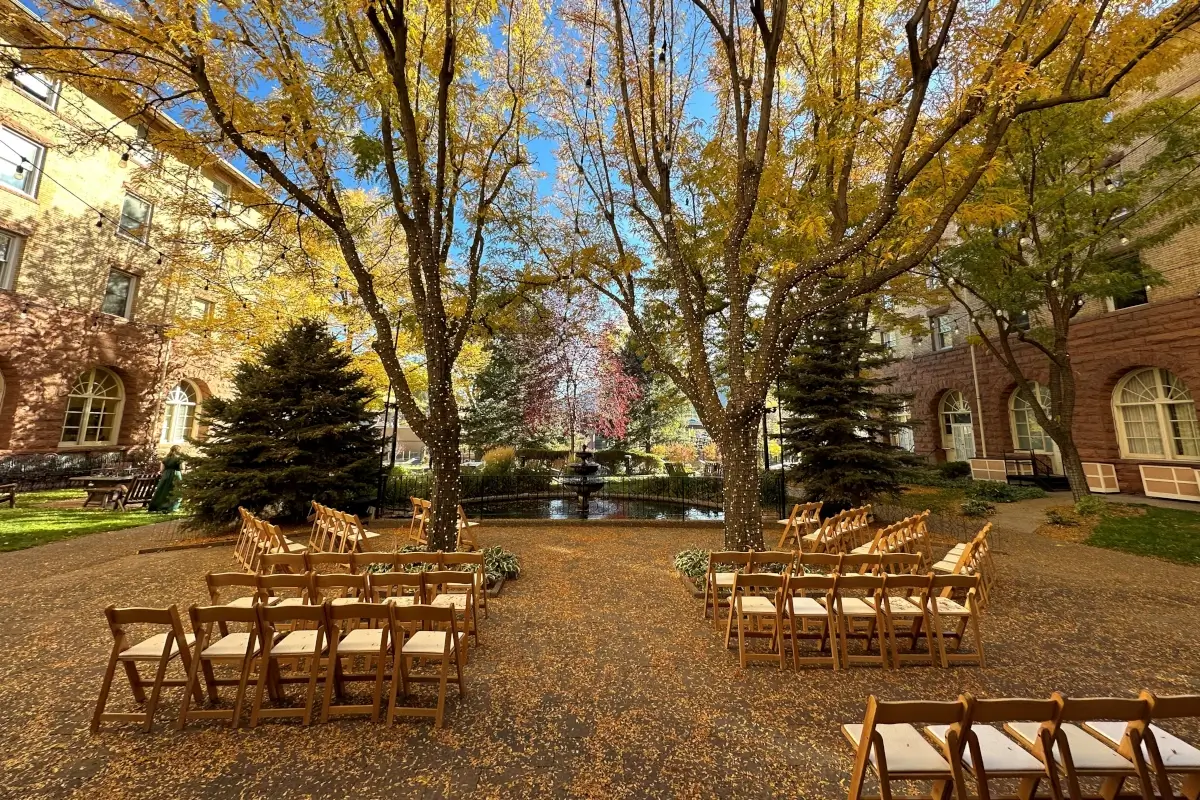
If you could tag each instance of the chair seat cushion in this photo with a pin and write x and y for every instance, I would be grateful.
(755, 604)
(1001, 755)
(344, 601)
(808, 607)
(1176, 753)
(945, 566)
(907, 752)
(246, 602)
(152, 649)
(430, 643)
(283, 602)
(862, 549)
(296, 643)
(458, 601)
(903, 607)
(1089, 753)
(361, 640)
(231, 646)
(857, 607)
(724, 580)
(950, 608)
(400, 600)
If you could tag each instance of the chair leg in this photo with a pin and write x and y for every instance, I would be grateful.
(310, 695)
(105, 686)
(441, 701)
(193, 678)
(330, 680)
(459, 661)
(156, 690)
(741, 638)
(265, 666)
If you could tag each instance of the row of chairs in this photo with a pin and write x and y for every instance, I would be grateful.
(336, 531)
(257, 538)
(840, 533)
(421, 515)
(909, 535)
(833, 609)
(972, 557)
(395, 640)
(1060, 740)
(457, 582)
(804, 519)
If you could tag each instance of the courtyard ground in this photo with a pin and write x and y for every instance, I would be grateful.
(596, 678)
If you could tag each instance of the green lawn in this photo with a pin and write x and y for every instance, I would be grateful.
(943, 502)
(32, 522)
(1166, 533)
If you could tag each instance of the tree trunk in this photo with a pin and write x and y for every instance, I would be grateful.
(743, 513)
(1073, 468)
(445, 461)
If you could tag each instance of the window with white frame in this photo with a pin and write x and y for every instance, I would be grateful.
(942, 330)
(119, 292)
(202, 309)
(903, 437)
(1019, 320)
(889, 339)
(20, 161)
(94, 409)
(135, 217)
(1027, 434)
(10, 253)
(39, 87)
(179, 415)
(1156, 416)
(220, 194)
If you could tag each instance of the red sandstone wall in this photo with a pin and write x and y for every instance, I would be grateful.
(1104, 349)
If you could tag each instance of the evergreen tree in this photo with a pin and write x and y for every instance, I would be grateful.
(297, 428)
(839, 418)
(496, 415)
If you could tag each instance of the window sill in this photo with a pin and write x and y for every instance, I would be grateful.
(1161, 461)
(4, 187)
(85, 445)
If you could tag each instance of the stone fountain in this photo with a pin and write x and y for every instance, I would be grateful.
(584, 480)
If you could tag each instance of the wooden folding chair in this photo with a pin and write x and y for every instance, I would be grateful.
(819, 563)
(808, 604)
(218, 582)
(857, 601)
(438, 640)
(901, 564)
(285, 589)
(466, 532)
(371, 561)
(350, 640)
(860, 564)
(316, 534)
(967, 613)
(445, 588)
(789, 533)
(243, 548)
(420, 516)
(986, 754)
(272, 563)
(417, 560)
(239, 649)
(340, 588)
(776, 561)
(278, 543)
(717, 580)
(888, 740)
(1167, 754)
(329, 562)
(355, 536)
(307, 639)
(1078, 754)
(161, 649)
(398, 588)
(904, 600)
(958, 556)
(474, 565)
(757, 598)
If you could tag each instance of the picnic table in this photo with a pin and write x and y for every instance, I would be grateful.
(100, 487)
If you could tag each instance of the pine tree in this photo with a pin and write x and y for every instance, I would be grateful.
(840, 419)
(297, 428)
(496, 415)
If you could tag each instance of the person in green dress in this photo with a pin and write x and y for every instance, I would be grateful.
(166, 494)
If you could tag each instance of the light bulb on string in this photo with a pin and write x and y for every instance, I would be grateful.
(100, 222)
(125, 157)
(1124, 239)
(19, 172)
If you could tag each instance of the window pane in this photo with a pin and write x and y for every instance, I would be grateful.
(1185, 433)
(19, 161)
(116, 293)
(74, 419)
(135, 217)
(34, 84)
(1141, 429)
(220, 194)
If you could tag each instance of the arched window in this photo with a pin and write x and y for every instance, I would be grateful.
(94, 409)
(958, 434)
(179, 416)
(1156, 416)
(1027, 434)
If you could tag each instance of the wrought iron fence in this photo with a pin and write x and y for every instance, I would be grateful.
(539, 495)
(35, 471)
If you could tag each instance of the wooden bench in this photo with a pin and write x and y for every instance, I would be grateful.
(8, 494)
(139, 493)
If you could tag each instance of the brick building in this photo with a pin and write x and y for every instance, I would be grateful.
(93, 285)
(1137, 366)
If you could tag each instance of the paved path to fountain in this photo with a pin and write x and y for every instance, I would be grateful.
(596, 678)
